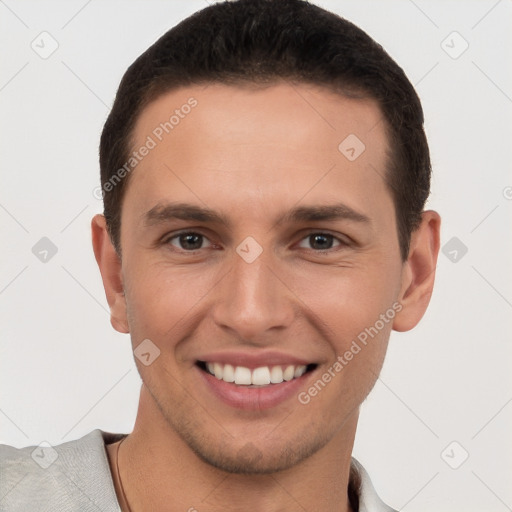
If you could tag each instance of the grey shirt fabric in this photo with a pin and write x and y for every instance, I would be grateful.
(75, 476)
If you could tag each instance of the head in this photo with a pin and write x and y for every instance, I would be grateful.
(260, 116)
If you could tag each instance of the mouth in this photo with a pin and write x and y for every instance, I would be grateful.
(257, 388)
(260, 377)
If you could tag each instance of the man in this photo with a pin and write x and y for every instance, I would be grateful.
(264, 170)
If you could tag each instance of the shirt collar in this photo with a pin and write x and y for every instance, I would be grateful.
(362, 488)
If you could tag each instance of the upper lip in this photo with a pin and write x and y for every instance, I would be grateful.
(253, 360)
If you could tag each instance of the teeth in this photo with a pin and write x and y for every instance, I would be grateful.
(276, 375)
(289, 373)
(299, 370)
(217, 370)
(242, 375)
(228, 373)
(261, 376)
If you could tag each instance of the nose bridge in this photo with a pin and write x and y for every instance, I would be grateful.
(251, 299)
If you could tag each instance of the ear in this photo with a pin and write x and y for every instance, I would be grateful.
(110, 267)
(418, 272)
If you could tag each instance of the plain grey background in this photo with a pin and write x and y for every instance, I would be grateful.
(445, 391)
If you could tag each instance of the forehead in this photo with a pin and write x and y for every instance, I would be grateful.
(247, 111)
(272, 145)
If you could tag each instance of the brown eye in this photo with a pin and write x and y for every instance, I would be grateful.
(320, 241)
(189, 241)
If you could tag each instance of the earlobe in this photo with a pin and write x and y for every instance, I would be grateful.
(109, 264)
(418, 272)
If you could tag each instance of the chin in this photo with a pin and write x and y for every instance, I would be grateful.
(253, 458)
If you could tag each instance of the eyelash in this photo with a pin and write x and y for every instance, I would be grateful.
(341, 243)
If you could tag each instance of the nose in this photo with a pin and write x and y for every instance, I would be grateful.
(253, 299)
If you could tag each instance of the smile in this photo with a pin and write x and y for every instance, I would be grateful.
(261, 376)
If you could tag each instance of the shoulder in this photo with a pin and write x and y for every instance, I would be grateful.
(70, 476)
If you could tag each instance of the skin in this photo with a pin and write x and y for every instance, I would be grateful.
(277, 148)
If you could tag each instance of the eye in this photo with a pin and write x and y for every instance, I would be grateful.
(187, 241)
(190, 241)
(321, 241)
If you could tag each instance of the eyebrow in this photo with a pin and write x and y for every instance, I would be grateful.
(184, 211)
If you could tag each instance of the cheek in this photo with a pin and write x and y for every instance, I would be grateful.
(160, 296)
(350, 302)
(356, 318)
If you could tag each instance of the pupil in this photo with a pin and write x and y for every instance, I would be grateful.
(323, 239)
(188, 239)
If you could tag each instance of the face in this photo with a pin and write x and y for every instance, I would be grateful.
(254, 249)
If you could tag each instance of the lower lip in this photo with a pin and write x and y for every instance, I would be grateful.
(253, 398)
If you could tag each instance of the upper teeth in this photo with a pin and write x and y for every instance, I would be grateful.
(259, 376)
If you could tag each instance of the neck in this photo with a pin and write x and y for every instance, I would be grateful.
(159, 471)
